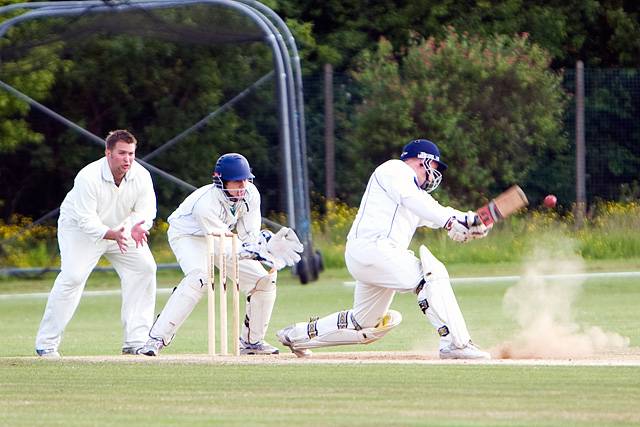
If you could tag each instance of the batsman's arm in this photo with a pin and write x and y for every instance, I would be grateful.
(432, 214)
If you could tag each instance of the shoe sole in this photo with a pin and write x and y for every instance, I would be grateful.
(298, 352)
(49, 356)
(257, 353)
(302, 353)
(450, 356)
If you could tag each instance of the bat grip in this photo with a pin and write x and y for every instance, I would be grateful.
(488, 214)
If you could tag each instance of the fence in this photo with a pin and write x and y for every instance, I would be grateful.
(611, 133)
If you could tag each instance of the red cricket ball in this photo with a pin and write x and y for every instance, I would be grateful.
(550, 201)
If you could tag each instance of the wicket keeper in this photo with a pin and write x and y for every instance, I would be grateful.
(231, 202)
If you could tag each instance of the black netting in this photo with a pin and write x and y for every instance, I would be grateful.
(155, 72)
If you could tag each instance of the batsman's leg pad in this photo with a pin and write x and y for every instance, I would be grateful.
(340, 329)
(260, 301)
(179, 306)
(438, 302)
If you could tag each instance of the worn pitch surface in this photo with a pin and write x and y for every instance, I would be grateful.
(627, 357)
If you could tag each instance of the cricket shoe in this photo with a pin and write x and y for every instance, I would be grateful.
(48, 353)
(152, 347)
(127, 351)
(283, 337)
(469, 351)
(261, 347)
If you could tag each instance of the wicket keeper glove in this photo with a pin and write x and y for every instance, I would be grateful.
(285, 246)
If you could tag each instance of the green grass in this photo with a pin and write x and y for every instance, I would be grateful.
(73, 394)
(40, 392)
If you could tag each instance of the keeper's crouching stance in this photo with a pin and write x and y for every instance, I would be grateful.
(395, 203)
(231, 202)
(256, 283)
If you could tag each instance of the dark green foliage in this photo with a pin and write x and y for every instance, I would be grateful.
(156, 85)
(602, 33)
(491, 105)
(157, 73)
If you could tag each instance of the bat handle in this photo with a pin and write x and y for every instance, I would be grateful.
(488, 214)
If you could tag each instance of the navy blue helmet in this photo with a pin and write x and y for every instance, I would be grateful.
(231, 167)
(423, 149)
(426, 151)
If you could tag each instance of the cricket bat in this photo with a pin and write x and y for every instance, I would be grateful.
(508, 202)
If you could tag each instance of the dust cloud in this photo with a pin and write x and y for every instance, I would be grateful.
(543, 309)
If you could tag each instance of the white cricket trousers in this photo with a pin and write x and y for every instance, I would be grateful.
(380, 269)
(258, 284)
(79, 255)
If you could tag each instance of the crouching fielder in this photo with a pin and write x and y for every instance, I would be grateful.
(232, 201)
(395, 203)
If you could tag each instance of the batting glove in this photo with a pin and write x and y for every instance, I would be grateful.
(456, 230)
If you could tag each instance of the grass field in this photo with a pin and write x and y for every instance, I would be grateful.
(119, 390)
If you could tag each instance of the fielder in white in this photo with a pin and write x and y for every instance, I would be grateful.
(395, 203)
(231, 202)
(111, 203)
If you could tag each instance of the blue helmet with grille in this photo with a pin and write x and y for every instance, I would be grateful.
(423, 149)
(426, 151)
(231, 167)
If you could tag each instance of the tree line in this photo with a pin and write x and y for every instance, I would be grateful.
(483, 80)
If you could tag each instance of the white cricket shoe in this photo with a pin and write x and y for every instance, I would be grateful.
(261, 347)
(152, 347)
(283, 337)
(48, 353)
(469, 351)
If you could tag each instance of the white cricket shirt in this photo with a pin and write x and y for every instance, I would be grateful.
(95, 204)
(393, 206)
(207, 209)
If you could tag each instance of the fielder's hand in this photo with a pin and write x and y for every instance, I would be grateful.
(139, 234)
(120, 238)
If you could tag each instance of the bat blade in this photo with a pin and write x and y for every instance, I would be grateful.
(508, 202)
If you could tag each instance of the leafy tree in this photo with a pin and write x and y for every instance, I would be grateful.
(491, 105)
(601, 33)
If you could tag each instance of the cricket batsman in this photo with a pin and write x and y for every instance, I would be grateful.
(231, 202)
(396, 202)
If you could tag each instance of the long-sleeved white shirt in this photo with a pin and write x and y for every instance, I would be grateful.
(393, 206)
(207, 209)
(95, 204)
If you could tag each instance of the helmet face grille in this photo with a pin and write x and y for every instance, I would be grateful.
(436, 178)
